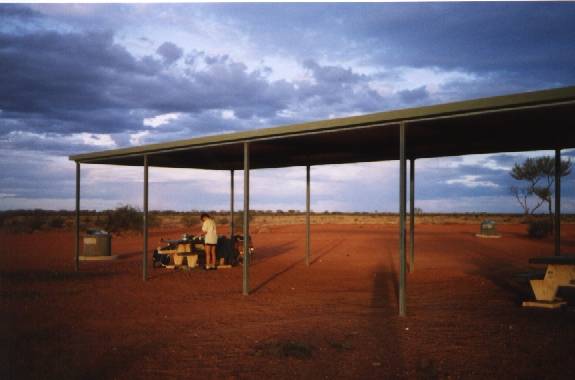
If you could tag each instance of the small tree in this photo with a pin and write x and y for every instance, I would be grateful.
(239, 220)
(539, 173)
(128, 218)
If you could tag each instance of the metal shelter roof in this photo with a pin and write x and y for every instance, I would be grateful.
(519, 122)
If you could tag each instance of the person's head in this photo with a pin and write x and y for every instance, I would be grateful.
(204, 216)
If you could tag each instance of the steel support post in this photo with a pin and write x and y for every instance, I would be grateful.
(307, 217)
(411, 215)
(145, 221)
(232, 205)
(246, 288)
(557, 228)
(77, 232)
(402, 199)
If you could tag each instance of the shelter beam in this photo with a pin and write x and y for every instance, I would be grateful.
(411, 215)
(307, 217)
(246, 288)
(402, 199)
(145, 222)
(557, 228)
(77, 223)
(232, 205)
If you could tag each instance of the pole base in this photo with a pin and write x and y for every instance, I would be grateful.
(544, 304)
(98, 258)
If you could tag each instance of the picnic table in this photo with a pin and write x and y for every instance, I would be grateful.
(191, 249)
(559, 273)
(181, 251)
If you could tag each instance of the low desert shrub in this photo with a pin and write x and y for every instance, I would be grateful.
(124, 218)
(538, 229)
(35, 222)
(57, 222)
(222, 220)
(239, 220)
(25, 224)
(189, 220)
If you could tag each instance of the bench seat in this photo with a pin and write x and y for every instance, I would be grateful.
(557, 260)
(531, 275)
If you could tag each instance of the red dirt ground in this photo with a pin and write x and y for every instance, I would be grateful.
(464, 316)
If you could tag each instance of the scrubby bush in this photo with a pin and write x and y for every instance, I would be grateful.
(26, 224)
(223, 220)
(124, 218)
(35, 222)
(189, 220)
(539, 229)
(57, 222)
(239, 220)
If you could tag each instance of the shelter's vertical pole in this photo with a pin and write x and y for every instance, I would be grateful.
(246, 289)
(232, 204)
(77, 233)
(557, 202)
(145, 221)
(411, 215)
(307, 217)
(402, 196)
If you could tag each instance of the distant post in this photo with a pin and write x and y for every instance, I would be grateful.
(77, 233)
(557, 228)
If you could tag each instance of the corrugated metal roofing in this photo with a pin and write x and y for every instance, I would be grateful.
(518, 122)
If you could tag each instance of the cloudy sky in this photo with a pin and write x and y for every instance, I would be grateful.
(81, 78)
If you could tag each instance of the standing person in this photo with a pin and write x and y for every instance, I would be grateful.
(210, 240)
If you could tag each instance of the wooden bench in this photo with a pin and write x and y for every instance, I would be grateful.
(183, 250)
(559, 273)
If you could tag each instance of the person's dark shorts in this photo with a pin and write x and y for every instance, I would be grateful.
(210, 245)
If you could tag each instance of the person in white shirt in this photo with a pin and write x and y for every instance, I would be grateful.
(210, 240)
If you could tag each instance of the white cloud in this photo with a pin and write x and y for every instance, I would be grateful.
(160, 120)
(228, 115)
(59, 203)
(432, 77)
(368, 172)
(471, 181)
(94, 139)
(101, 140)
(138, 137)
(482, 160)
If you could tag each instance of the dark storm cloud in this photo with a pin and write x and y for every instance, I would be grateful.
(27, 174)
(332, 74)
(74, 82)
(47, 72)
(416, 95)
(536, 39)
(77, 78)
(170, 52)
(339, 89)
(10, 11)
(61, 83)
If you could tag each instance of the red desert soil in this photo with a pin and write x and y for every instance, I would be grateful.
(335, 319)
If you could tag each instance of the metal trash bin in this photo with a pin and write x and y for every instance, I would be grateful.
(488, 229)
(97, 243)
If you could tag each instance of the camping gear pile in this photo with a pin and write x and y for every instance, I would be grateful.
(229, 252)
